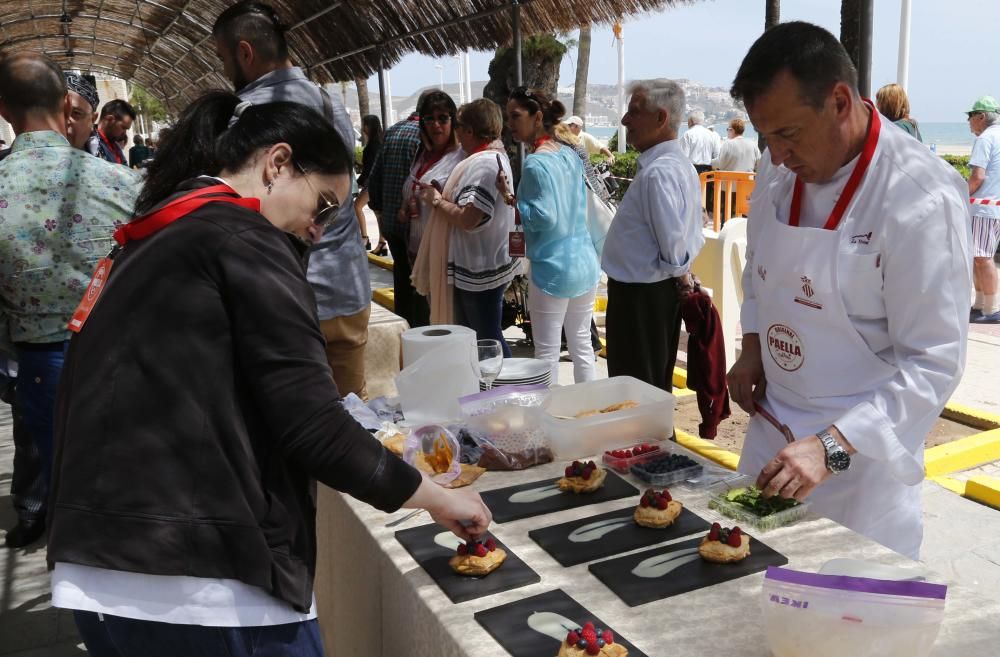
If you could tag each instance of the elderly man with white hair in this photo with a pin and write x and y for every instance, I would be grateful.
(700, 144)
(653, 239)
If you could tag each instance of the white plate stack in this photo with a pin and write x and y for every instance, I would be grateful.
(522, 372)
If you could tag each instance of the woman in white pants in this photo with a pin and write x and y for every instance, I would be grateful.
(552, 205)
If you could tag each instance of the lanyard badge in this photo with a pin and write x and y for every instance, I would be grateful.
(97, 284)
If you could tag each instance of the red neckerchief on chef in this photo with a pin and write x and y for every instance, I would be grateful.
(142, 228)
(115, 149)
(867, 152)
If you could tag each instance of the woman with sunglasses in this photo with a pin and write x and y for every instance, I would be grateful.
(552, 203)
(438, 155)
(197, 407)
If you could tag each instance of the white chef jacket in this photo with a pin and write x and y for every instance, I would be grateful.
(910, 220)
(700, 144)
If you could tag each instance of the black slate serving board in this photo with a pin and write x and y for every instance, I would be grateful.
(508, 624)
(617, 574)
(419, 542)
(505, 511)
(626, 537)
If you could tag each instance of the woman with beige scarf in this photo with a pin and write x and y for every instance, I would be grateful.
(463, 263)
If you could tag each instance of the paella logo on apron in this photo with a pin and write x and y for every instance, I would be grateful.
(785, 347)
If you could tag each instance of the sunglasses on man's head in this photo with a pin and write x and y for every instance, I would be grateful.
(440, 119)
(326, 210)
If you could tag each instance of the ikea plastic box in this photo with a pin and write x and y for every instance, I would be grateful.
(652, 420)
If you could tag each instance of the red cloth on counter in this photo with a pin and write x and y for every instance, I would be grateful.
(706, 360)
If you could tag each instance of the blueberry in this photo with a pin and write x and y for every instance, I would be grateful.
(600, 643)
(600, 631)
(582, 644)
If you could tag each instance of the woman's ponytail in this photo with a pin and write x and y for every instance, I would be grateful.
(189, 149)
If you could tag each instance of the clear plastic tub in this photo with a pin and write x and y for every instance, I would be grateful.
(662, 479)
(746, 517)
(622, 464)
(650, 421)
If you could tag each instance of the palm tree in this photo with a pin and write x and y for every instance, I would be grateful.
(772, 16)
(582, 69)
(362, 85)
(850, 29)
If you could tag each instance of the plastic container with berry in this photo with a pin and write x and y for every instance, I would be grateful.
(590, 640)
(623, 458)
(667, 469)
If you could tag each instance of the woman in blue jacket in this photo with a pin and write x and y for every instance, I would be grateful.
(552, 202)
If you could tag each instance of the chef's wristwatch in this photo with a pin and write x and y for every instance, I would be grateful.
(837, 458)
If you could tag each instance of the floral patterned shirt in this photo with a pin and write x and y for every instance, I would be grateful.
(58, 209)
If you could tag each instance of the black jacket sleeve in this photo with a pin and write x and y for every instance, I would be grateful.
(281, 352)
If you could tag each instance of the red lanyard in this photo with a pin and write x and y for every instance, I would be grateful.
(119, 159)
(180, 207)
(852, 183)
(427, 165)
(144, 227)
(541, 140)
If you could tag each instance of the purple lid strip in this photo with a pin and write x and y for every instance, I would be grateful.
(860, 584)
(500, 392)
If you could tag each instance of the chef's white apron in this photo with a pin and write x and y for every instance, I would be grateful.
(818, 367)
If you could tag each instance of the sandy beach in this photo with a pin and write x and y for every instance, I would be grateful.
(954, 149)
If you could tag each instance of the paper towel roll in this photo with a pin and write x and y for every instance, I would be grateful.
(418, 341)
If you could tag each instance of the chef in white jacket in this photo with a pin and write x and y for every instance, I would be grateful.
(856, 291)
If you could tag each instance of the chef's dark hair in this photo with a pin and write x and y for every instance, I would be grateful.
(203, 143)
(256, 23)
(813, 56)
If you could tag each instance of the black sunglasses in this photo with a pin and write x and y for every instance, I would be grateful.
(440, 119)
(326, 210)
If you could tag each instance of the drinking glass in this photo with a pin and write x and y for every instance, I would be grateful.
(490, 361)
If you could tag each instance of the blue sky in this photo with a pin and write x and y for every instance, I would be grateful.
(707, 40)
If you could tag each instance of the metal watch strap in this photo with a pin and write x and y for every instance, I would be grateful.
(831, 446)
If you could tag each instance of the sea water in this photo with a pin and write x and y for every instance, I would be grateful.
(943, 134)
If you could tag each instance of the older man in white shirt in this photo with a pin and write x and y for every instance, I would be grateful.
(699, 144)
(855, 291)
(653, 239)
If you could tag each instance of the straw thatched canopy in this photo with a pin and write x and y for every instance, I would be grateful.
(166, 45)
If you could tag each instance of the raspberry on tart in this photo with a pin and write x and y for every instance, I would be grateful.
(582, 477)
(588, 641)
(657, 509)
(724, 545)
(477, 558)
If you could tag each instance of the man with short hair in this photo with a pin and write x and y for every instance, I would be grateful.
(139, 153)
(385, 194)
(854, 292)
(587, 140)
(250, 41)
(655, 236)
(984, 188)
(83, 104)
(700, 144)
(116, 120)
(59, 233)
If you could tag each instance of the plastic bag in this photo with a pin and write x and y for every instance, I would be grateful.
(433, 448)
(508, 425)
(814, 615)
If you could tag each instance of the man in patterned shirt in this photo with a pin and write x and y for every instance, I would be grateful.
(58, 208)
(385, 195)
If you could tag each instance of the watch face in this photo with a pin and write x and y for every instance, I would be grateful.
(839, 461)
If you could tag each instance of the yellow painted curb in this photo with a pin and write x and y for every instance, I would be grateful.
(708, 449)
(971, 417)
(680, 377)
(683, 392)
(963, 454)
(384, 297)
(384, 262)
(954, 485)
(984, 489)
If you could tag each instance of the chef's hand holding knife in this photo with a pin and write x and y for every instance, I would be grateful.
(800, 466)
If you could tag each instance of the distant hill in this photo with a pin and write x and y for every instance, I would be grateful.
(601, 99)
